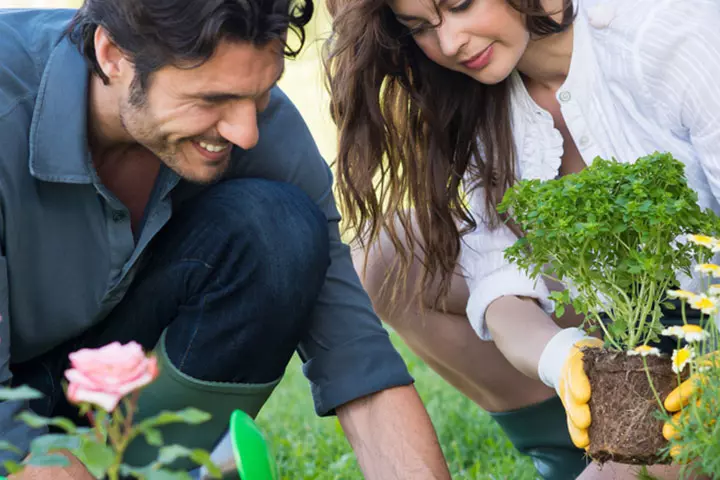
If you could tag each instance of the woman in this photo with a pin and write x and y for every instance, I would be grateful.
(436, 100)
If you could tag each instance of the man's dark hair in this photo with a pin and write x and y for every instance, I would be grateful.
(156, 33)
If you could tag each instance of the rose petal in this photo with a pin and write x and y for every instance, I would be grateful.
(76, 377)
(114, 369)
(135, 384)
(107, 402)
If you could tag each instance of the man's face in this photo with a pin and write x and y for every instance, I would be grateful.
(190, 117)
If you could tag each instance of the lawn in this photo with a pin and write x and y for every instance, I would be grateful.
(307, 447)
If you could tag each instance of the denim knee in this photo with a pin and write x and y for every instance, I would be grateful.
(280, 228)
(267, 253)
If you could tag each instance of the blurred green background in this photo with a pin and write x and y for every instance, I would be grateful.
(307, 447)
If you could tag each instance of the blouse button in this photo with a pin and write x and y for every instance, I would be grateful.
(584, 140)
(565, 96)
(600, 16)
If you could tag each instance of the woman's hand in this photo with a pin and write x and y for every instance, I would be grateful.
(574, 390)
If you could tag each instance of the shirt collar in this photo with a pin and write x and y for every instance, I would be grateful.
(58, 134)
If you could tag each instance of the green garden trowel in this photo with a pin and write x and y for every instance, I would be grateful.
(243, 453)
(253, 458)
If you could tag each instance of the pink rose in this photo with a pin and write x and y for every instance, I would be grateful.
(103, 376)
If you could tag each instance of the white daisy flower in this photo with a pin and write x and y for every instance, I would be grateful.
(677, 332)
(644, 351)
(705, 304)
(681, 358)
(709, 268)
(682, 294)
(704, 240)
(694, 333)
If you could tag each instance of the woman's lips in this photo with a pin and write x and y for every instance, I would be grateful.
(480, 60)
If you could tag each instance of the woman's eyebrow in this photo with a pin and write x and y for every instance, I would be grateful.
(410, 18)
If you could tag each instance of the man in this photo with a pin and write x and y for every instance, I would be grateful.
(158, 187)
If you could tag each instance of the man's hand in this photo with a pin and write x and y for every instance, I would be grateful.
(574, 390)
(681, 395)
(75, 471)
(393, 437)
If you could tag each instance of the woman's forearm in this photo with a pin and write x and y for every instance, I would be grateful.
(521, 330)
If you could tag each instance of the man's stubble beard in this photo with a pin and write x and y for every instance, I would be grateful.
(137, 121)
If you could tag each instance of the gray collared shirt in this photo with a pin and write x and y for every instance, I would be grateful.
(68, 253)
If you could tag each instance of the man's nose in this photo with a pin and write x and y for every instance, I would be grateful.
(239, 125)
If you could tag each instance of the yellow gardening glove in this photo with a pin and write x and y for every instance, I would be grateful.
(680, 396)
(574, 391)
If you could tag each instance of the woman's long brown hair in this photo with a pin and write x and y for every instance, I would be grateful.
(408, 131)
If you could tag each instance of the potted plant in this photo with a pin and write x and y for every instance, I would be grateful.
(615, 234)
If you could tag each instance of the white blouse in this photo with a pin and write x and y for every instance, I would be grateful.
(644, 77)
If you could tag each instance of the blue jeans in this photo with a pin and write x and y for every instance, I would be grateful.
(231, 281)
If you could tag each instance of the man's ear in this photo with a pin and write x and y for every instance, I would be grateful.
(110, 58)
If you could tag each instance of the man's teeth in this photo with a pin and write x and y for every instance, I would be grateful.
(213, 148)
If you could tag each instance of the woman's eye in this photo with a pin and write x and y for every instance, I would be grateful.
(418, 30)
(462, 6)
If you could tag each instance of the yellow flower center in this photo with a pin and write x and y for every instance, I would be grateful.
(708, 267)
(703, 302)
(702, 239)
(681, 357)
(691, 329)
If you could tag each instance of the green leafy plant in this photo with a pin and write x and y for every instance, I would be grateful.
(613, 233)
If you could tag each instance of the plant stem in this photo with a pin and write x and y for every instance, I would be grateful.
(114, 432)
(682, 310)
(113, 473)
(124, 426)
(652, 386)
(637, 316)
(96, 425)
(644, 312)
(607, 333)
(130, 405)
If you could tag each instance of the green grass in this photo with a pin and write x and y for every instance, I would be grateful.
(307, 447)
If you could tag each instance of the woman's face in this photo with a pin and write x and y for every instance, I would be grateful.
(483, 39)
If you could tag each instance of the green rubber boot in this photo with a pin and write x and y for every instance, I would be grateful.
(173, 391)
(540, 432)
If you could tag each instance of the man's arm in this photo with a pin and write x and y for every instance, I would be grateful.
(392, 436)
(74, 471)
